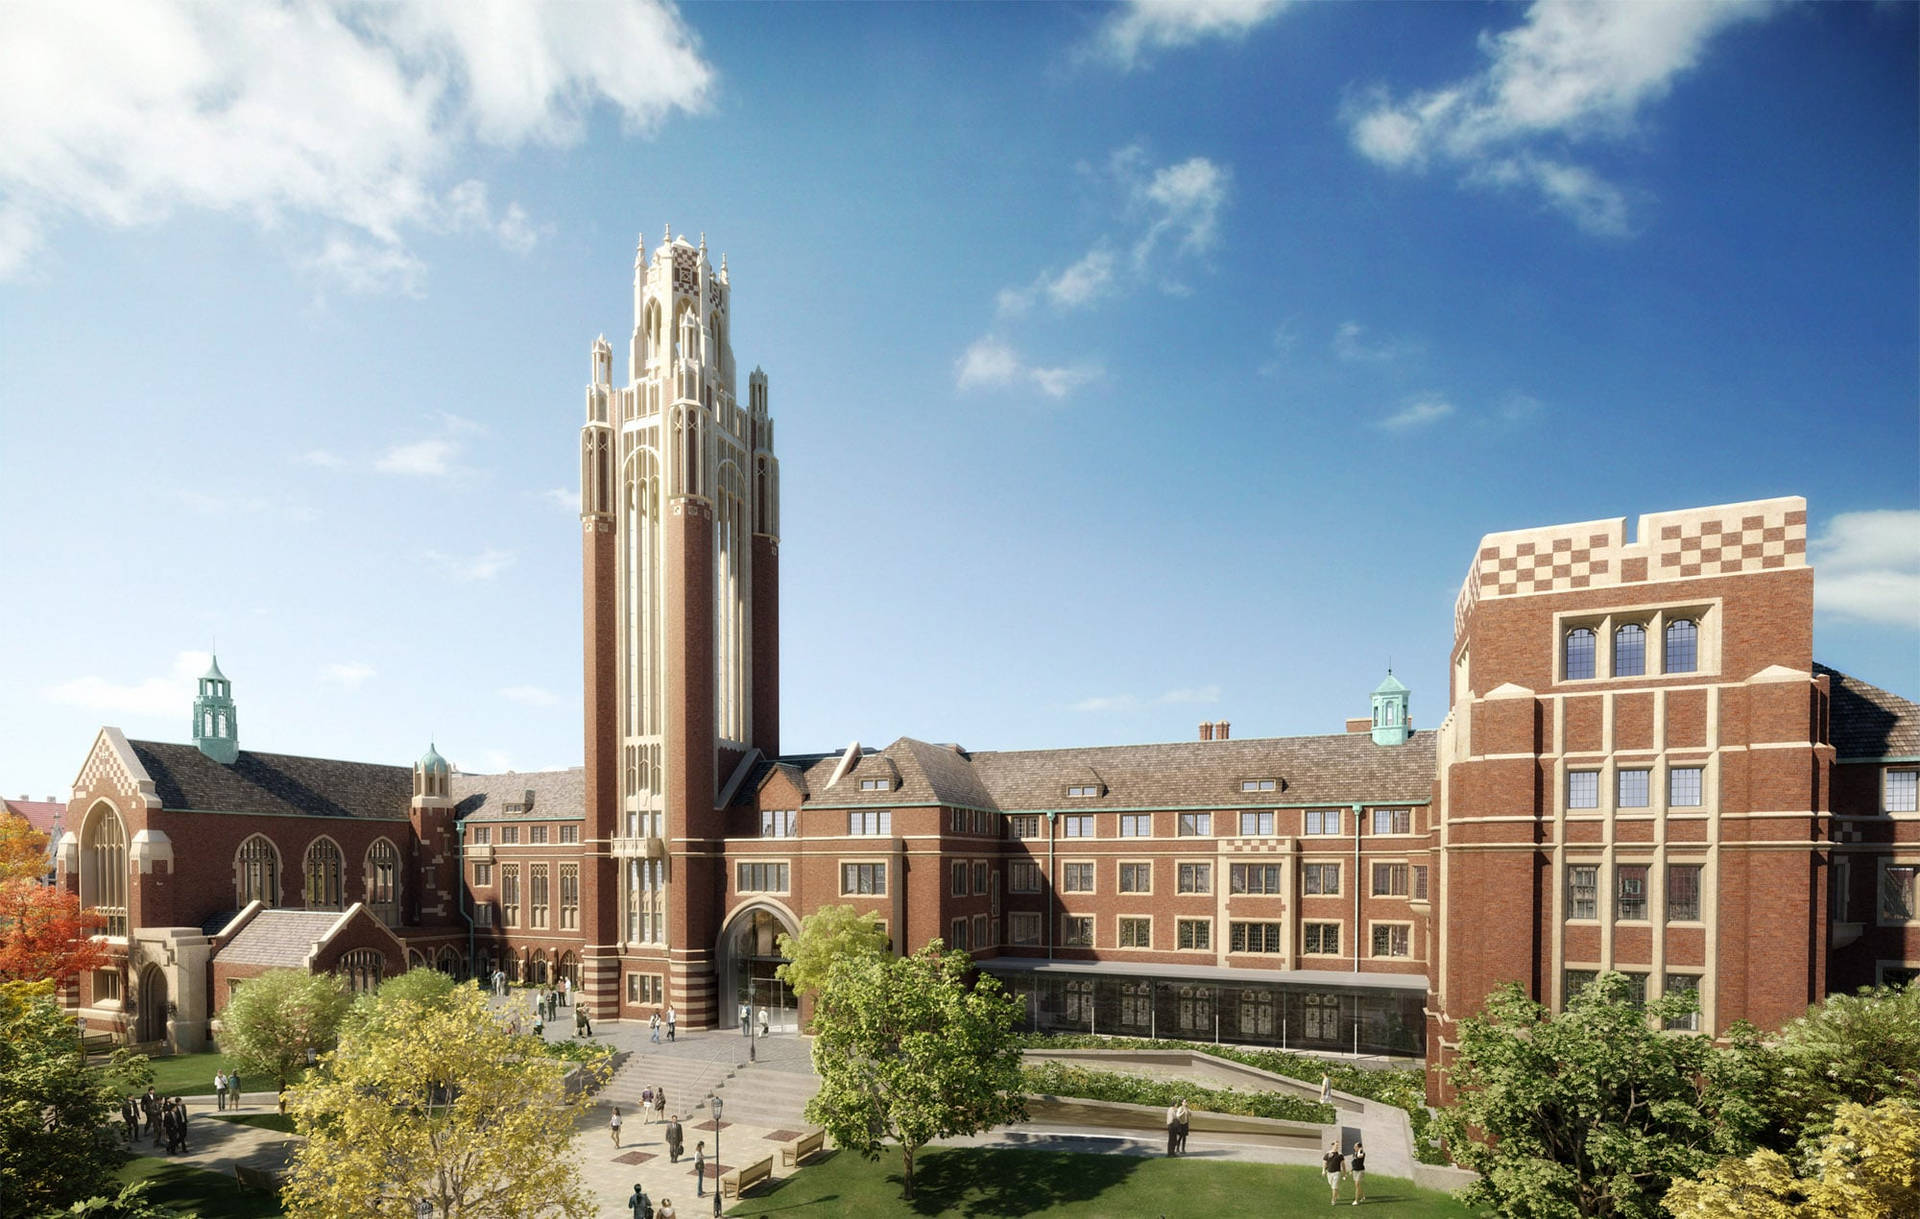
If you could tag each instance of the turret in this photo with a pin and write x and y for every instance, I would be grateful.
(216, 727)
(1392, 717)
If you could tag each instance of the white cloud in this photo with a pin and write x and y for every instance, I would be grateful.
(1573, 70)
(337, 120)
(991, 363)
(483, 566)
(1149, 25)
(1112, 702)
(353, 674)
(1867, 566)
(428, 458)
(532, 696)
(1420, 412)
(169, 695)
(1352, 344)
(1184, 202)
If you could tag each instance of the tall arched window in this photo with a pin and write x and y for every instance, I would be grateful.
(324, 869)
(1579, 654)
(1683, 646)
(256, 872)
(362, 968)
(383, 882)
(1630, 650)
(103, 867)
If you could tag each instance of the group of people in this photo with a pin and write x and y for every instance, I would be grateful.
(226, 1089)
(161, 1117)
(1338, 1166)
(653, 1104)
(1179, 1120)
(563, 992)
(643, 1208)
(672, 1024)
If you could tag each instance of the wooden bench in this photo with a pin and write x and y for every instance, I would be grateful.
(255, 1178)
(795, 1153)
(746, 1177)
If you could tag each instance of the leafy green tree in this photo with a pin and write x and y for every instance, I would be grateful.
(436, 1101)
(1862, 1048)
(1591, 1112)
(907, 1051)
(425, 987)
(54, 1145)
(1867, 1166)
(829, 934)
(273, 1020)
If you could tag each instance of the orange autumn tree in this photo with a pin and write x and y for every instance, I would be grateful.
(45, 935)
(23, 850)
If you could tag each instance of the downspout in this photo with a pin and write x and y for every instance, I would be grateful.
(460, 880)
(1356, 889)
(1051, 890)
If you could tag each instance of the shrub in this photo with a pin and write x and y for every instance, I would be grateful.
(1063, 1079)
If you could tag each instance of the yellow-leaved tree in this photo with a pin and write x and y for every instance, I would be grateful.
(436, 1101)
(1867, 1167)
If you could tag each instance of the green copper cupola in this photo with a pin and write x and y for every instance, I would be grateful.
(1392, 717)
(216, 729)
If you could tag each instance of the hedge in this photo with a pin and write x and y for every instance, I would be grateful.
(1064, 1079)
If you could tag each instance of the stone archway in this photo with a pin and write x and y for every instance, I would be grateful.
(151, 1017)
(748, 956)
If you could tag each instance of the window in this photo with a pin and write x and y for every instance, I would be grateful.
(510, 894)
(1636, 988)
(1632, 787)
(1630, 892)
(537, 891)
(569, 835)
(870, 822)
(1258, 785)
(363, 968)
(980, 872)
(1840, 891)
(1136, 1004)
(1253, 878)
(1419, 882)
(482, 874)
(1683, 645)
(1683, 787)
(982, 821)
(779, 823)
(569, 896)
(1136, 878)
(1196, 825)
(862, 879)
(509, 835)
(1195, 934)
(324, 868)
(1320, 939)
(1322, 821)
(1320, 879)
(1389, 880)
(1081, 791)
(1076, 878)
(1630, 650)
(1195, 878)
(482, 835)
(1076, 931)
(1583, 789)
(1392, 821)
(1583, 891)
(1683, 893)
(762, 877)
(957, 821)
(1136, 825)
(1897, 892)
(258, 870)
(1256, 1013)
(537, 835)
(1256, 825)
(876, 785)
(106, 986)
(1391, 939)
(1077, 825)
(383, 882)
(981, 937)
(483, 914)
(957, 934)
(1023, 877)
(957, 884)
(1903, 791)
(1685, 984)
(1579, 654)
(1136, 933)
(1577, 980)
(1253, 937)
(1194, 1009)
(645, 988)
(1079, 1005)
(1026, 825)
(1023, 928)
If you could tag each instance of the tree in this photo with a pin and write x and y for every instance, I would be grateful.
(1862, 1047)
(1590, 1112)
(829, 934)
(23, 850)
(423, 986)
(906, 1050)
(44, 934)
(271, 1021)
(54, 1147)
(436, 1101)
(1867, 1166)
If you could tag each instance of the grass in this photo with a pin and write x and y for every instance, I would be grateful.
(971, 1183)
(265, 1121)
(197, 1192)
(192, 1075)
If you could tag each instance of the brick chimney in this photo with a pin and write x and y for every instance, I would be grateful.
(1206, 730)
(1221, 730)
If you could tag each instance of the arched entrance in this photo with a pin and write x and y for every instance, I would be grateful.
(749, 954)
(152, 1016)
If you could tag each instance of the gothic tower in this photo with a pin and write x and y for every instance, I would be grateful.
(216, 726)
(680, 517)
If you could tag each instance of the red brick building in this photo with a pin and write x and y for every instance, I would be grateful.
(1640, 767)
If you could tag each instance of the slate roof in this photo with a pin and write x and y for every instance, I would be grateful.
(280, 938)
(1868, 722)
(189, 781)
(557, 795)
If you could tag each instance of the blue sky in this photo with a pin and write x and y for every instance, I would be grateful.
(1134, 365)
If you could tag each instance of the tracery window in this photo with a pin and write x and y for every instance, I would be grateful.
(325, 867)
(383, 882)
(257, 872)
(103, 869)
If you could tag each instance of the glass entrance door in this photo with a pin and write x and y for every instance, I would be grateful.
(756, 955)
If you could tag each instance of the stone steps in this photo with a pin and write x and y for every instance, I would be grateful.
(687, 1081)
(762, 1096)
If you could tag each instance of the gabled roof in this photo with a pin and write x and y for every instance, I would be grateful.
(557, 795)
(40, 814)
(280, 939)
(1868, 722)
(189, 781)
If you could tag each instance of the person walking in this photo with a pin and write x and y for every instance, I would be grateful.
(180, 1121)
(746, 1020)
(672, 1017)
(1326, 1089)
(582, 1023)
(700, 1169)
(613, 1126)
(1173, 1129)
(130, 1116)
(233, 1088)
(150, 1109)
(220, 1091)
(660, 1102)
(1182, 1122)
(646, 1103)
(666, 1210)
(1335, 1165)
(1357, 1166)
(675, 1139)
(566, 990)
(653, 1027)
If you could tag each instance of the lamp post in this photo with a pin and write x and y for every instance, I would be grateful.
(715, 1104)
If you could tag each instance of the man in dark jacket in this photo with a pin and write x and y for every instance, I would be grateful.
(675, 1139)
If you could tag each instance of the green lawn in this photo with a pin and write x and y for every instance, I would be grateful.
(197, 1192)
(265, 1121)
(192, 1075)
(968, 1183)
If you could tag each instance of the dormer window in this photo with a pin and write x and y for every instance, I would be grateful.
(1259, 785)
(876, 785)
(1083, 790)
